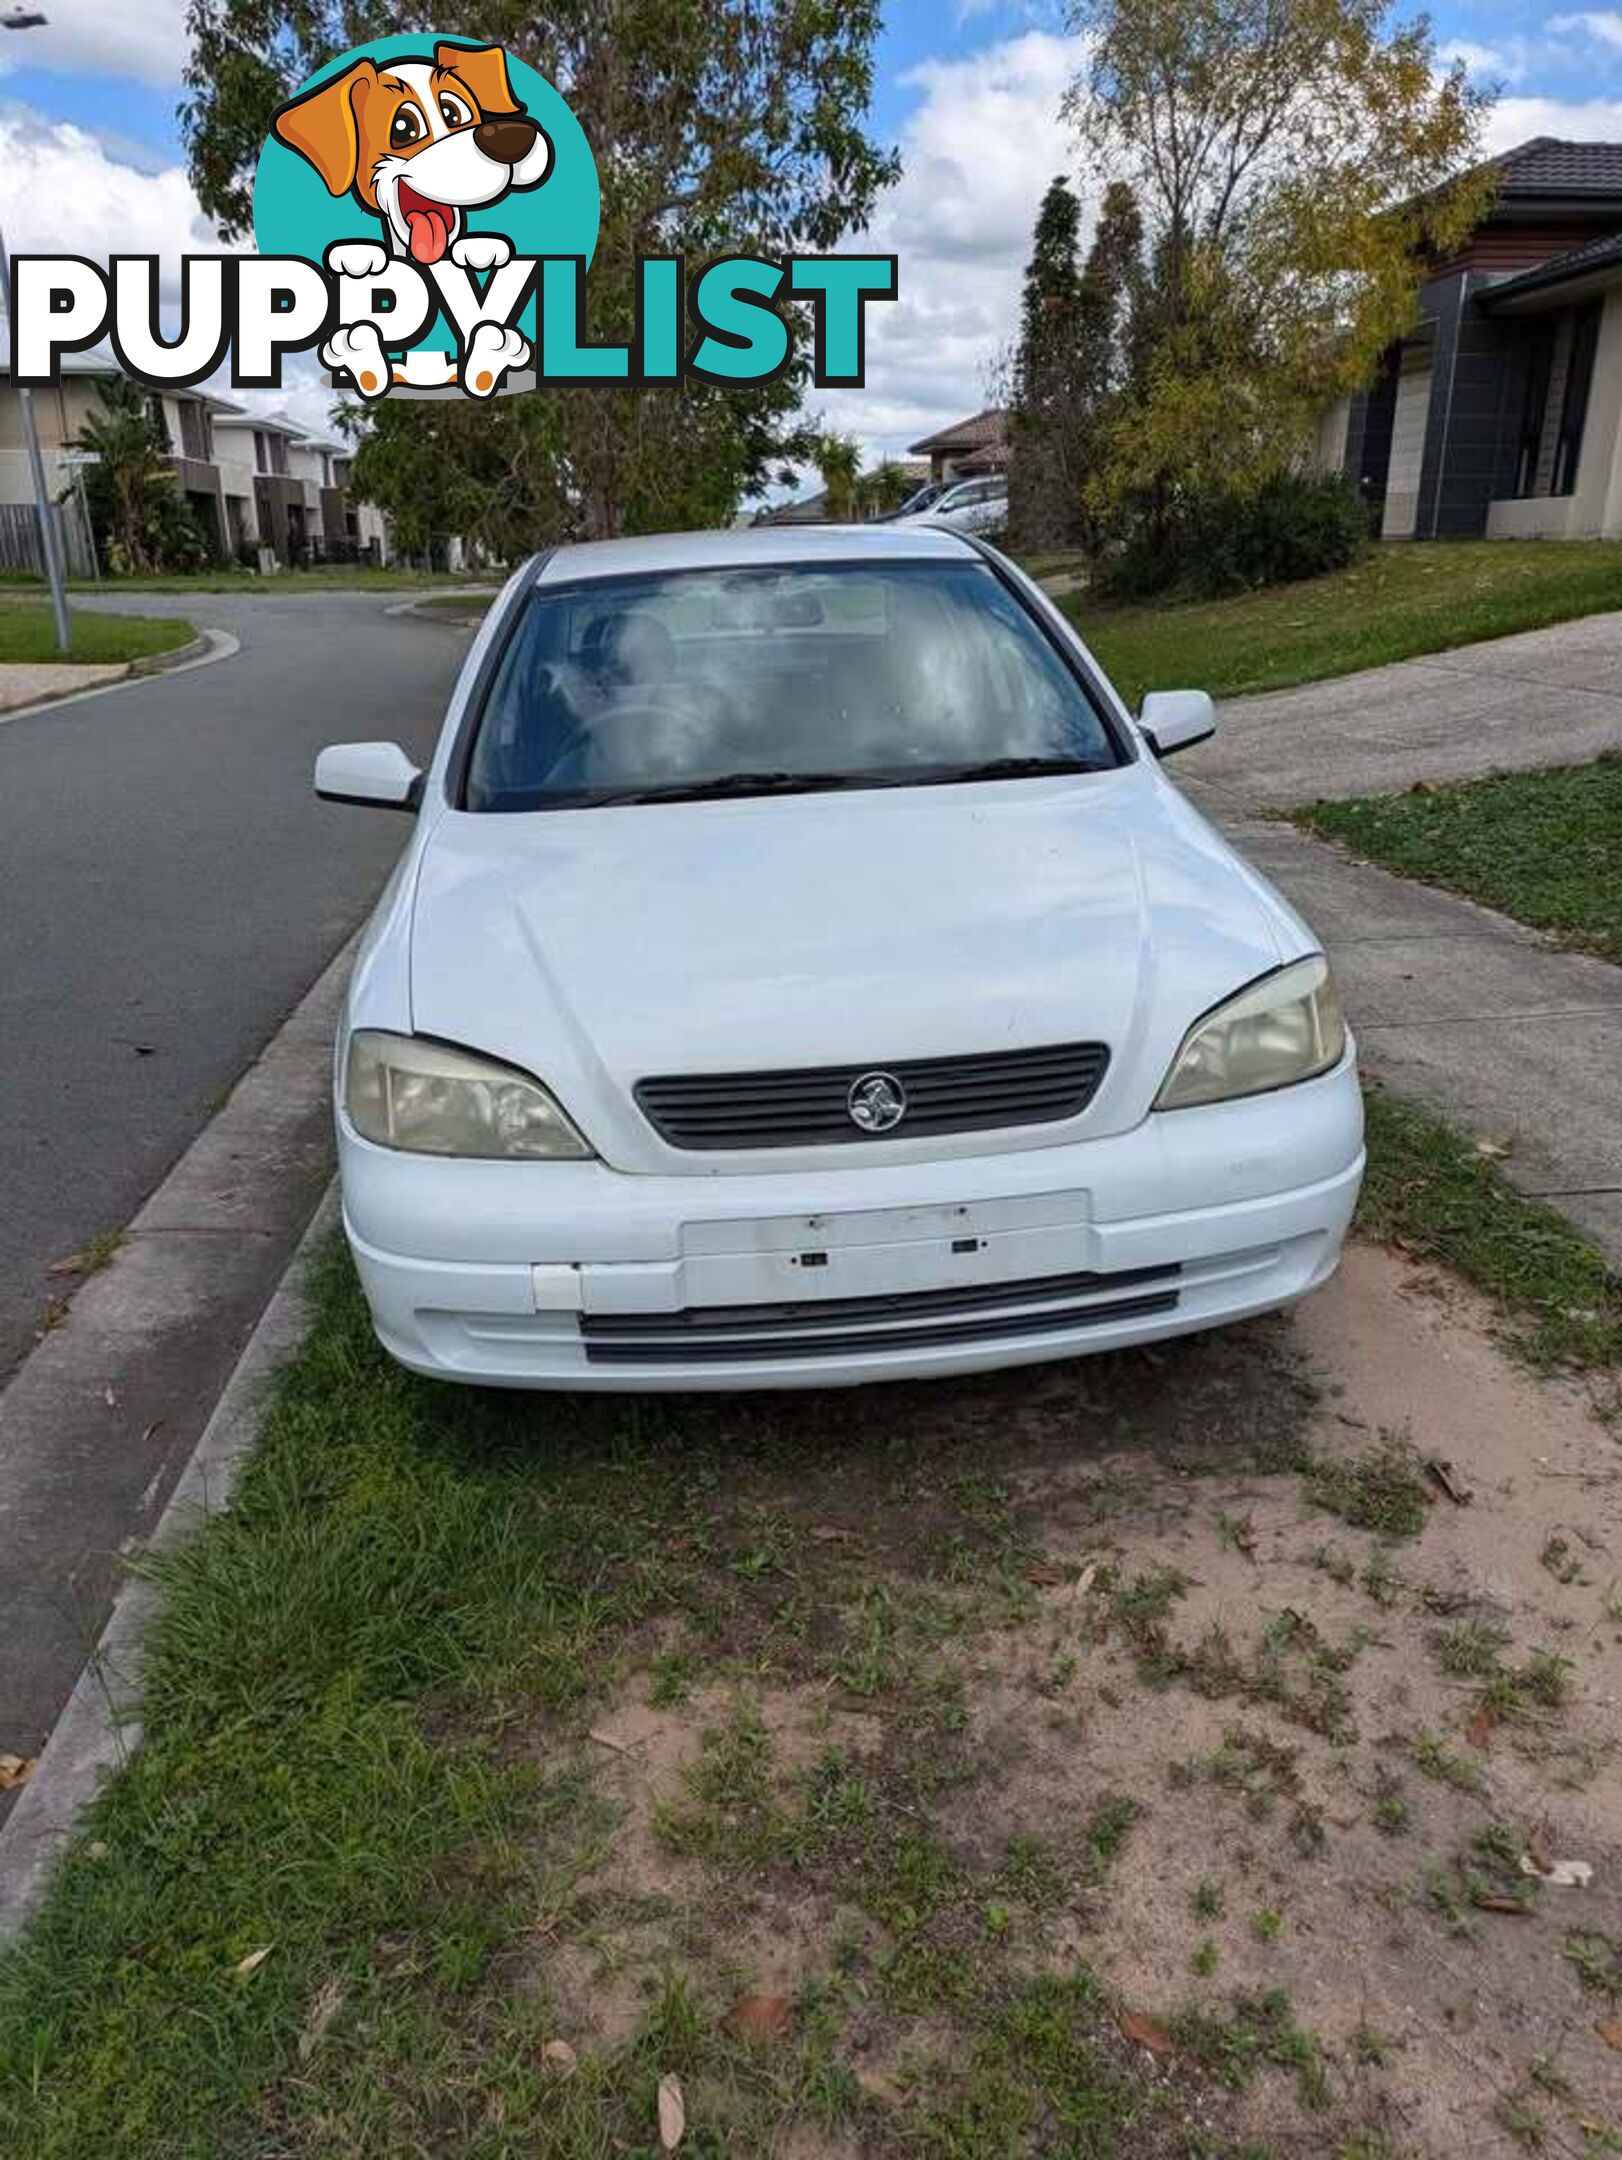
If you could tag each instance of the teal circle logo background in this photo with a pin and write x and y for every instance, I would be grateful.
(294, 215)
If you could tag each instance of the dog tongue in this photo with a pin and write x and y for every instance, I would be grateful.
(430, 231)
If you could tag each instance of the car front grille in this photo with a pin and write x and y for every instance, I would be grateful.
(810, 1108)
(844, 1327)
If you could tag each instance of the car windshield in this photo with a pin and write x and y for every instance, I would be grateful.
(779, 680)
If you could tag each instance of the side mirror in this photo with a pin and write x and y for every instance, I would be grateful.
(376, 773)
(1174, 719)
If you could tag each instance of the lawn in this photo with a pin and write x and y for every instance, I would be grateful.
(28, 633)
(1405, 598)
(1545, 847)
(509, 1758)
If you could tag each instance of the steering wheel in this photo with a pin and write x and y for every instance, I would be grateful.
(645, 705)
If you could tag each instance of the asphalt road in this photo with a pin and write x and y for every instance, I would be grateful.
(169, 889)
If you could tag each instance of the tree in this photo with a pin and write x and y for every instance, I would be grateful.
(839, 460)
(1073, 360)
(133, 494)
(885, 488)
(1044, 480)
(1298, 161)
(717, 126)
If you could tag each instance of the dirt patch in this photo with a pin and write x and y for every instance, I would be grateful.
(1260, 1686)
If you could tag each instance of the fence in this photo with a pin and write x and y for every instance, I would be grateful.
(20, 554)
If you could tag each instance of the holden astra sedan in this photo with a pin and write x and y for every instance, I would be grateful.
(801, 971)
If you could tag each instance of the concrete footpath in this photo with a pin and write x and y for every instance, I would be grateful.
(1453, 1004)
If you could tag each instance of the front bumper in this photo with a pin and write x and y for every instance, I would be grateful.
(572, 1275)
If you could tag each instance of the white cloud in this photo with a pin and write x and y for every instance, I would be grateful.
(1603, 26)
(1517, 119)
(977, 154)
(63, 192)
(142, 38)
(1502, 63)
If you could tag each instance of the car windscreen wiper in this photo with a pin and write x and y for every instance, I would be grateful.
(1008, 768)
(741, 783)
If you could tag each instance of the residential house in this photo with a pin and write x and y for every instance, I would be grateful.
(185, 417)
(1500, 413)
(968, 447)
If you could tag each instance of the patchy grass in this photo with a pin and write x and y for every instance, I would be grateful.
(1402, 600)
(1382, 1491)
(503, 1752)
(28, 635)
(1541, 846)
(1429, 1189)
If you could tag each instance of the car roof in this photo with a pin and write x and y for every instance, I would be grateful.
(760, 544)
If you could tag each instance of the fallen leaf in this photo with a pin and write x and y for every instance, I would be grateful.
(672, 2113)
(610, 1740)
(245, 1968)
(148, 1430)
(16, 1770)
(1480, 1729)
(1085, 1580)
(764, 2018)
(109, 1396)
(1147, 2032)
(322, 2012)
(1045, 1574)
(1244, 1535)
(827, 1533)
(72, 1265)
(559, 2056)
(1493, 1150)
(1449, 1480)
(1497, 1901)
(1610, 2031)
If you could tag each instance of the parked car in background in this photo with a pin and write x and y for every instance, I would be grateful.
(801, 972)
(972, 506)
(917, 502)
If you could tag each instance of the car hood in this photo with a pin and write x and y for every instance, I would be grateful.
(598, 947)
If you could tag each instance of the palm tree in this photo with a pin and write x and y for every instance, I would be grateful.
(839, 460)
(132, 475)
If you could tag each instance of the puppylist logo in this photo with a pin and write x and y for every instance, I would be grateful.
(426, 211)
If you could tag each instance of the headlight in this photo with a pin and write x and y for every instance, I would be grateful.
(1286, 1027)
(428, 1099)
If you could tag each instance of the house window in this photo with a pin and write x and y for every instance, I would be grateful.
(193, 430)
(1534, 409)
(1568, 447)
(261, 456)
(278, 453)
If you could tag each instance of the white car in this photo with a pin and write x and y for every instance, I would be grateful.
(802, 971)
(972, 506)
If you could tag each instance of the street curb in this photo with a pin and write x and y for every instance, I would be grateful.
(178, 656)
(99, 1728)
(203, 651)
(423, 609)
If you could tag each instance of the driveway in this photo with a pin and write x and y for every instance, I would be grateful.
(1545, 697)
(1452, 1004)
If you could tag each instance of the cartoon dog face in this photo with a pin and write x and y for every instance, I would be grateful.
(420, 141)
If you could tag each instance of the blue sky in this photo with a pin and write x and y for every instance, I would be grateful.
(968, 88)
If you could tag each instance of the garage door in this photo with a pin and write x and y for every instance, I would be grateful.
(1407, 452)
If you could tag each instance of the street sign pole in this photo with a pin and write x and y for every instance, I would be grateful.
(42, 501)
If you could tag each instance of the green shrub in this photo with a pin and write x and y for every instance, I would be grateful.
(1294, 525)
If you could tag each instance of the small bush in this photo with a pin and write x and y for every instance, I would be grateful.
(1294, 525)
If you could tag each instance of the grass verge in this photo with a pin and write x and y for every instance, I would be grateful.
(1403, 599)
(1431, 1191)
(1545, 847)
(344, 1897)
(28, 634)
